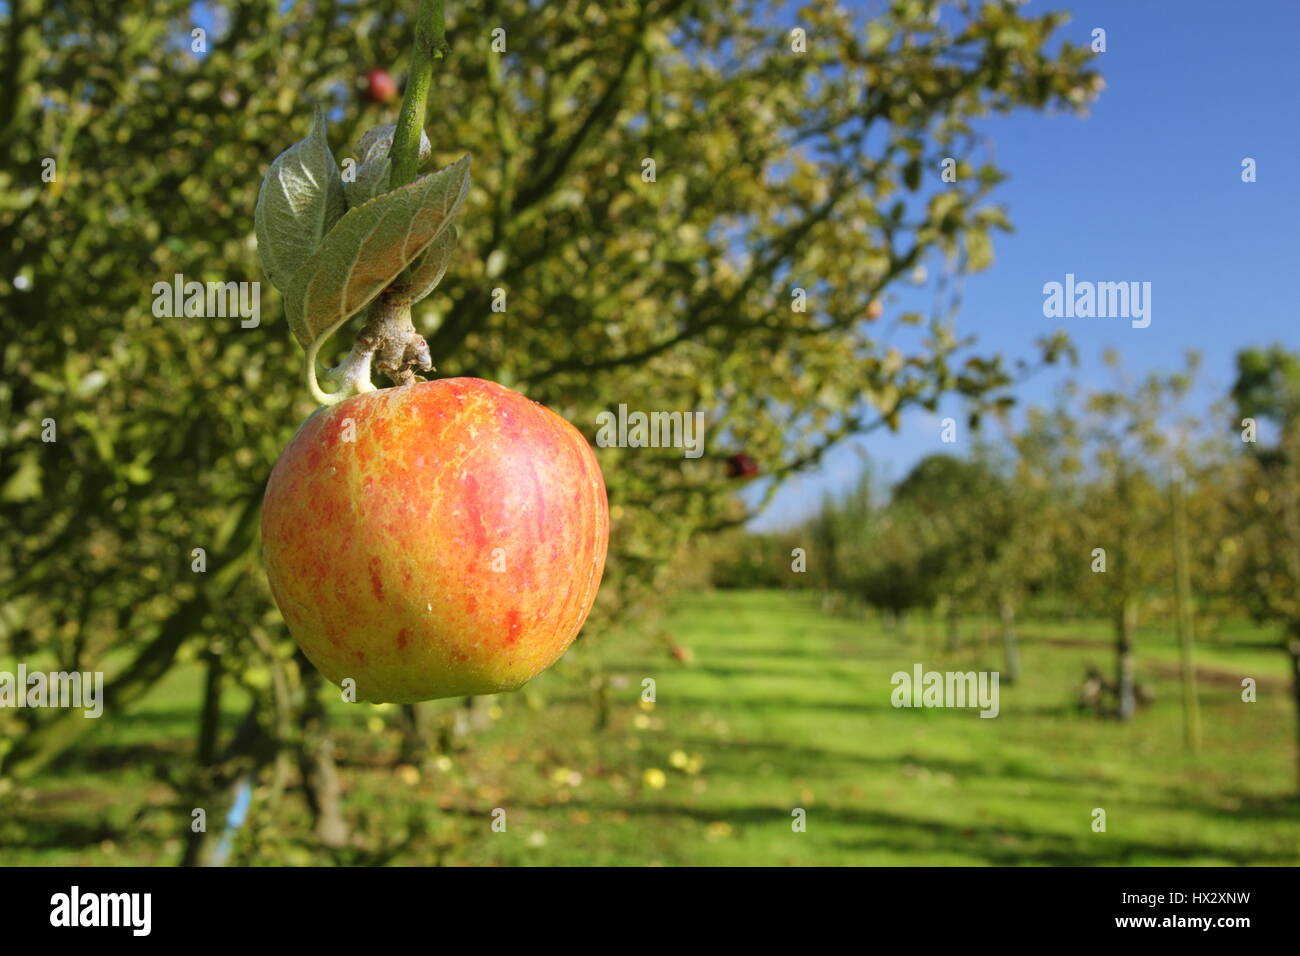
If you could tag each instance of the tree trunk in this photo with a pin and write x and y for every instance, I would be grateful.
(1293, 651)
(320, 779)
(602, 704)
(417, 735)
(198, 846)
(1125, 691)
(211, 846)
(218, 787)
(1183, 616)
(1010, 646)
(210, 715)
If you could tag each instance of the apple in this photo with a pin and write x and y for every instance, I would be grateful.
(440, 539)
(381, 86)
(875, 309)
(741, 465)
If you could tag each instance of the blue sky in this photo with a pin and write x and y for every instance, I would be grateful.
(1147, 187)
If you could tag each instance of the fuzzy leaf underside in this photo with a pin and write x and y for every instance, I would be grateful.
(369, 248)
(371, 181)
(375, 167)
(301, 199)
(377, 143)
(427, 271)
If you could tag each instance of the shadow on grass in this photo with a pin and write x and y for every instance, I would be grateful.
(48, 833)
(1237, 805)
(776, 704)
(741, 758)
(997, 844)
(1012, 846)
(733, 673)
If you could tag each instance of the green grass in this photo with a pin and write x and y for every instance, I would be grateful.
(783, 707)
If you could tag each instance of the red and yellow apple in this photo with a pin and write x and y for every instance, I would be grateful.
(439, 539)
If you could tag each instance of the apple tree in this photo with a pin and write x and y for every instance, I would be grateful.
(679, 205)
(1267, 503)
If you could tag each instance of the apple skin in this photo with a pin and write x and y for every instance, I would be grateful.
(742, 465)
(381, 86)
(381, 551)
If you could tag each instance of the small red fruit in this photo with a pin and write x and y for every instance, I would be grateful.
(435, 540)
(742, 465)
(381, 86)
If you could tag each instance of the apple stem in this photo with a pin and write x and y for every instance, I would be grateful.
(350, 377)
(388, 339)
(399, 351)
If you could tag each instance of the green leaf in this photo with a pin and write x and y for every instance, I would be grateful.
(25, 483)
(878, 37)
(979, 250)
(300, 201)
(371, 181)
(374, 166)
(427, 271)
(377, 142)
(369, 248)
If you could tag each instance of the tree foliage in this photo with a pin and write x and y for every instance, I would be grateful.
(775, 171)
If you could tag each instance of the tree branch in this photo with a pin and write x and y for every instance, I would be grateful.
(430, 44)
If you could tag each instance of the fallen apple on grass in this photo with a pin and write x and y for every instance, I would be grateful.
(438, 539)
